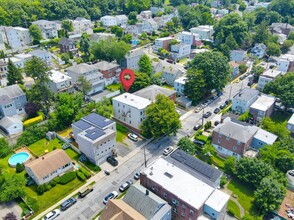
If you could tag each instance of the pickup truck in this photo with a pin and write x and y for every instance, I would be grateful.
(85, 191)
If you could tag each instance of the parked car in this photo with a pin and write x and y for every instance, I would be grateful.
(125, 186)
(217, 110)
(112, 195)
(107, 172)
(222, 106)
(137, 175)
(197, 127)
(178, 111)
(216, 123)
(199, 143)
(133, 137)
(67, 203)
(291, 173)
(52, 215)
(112, 161)
(171, 61)
(168, 150)
(161, 58)
(249, 83)
(242, 77)
(198, 109)
(207, 114)
(227, 101)
(85, 191)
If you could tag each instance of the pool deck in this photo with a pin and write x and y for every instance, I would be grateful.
(25, 149)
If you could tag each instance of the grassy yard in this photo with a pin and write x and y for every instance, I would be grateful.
(218, 161)
(113, 87)
(233, 208)
(5, 166)
(121, 133)
(167, 87)
(38, 148)
(92, 166)
(55, 194)
(72, 154)
(280, 117)
(65, 133)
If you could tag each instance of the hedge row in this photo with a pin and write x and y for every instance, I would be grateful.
(33, 121)
(81, 176)
(67, 177)
(85, 172)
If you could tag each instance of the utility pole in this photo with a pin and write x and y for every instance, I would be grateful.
(203, 117)
(145, 161)
(230, 92)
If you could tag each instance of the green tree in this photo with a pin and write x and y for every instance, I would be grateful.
(262, 33)
(85, 44)
(5, 149)
(269, 195)
(137, 5)
(284, 8)
(104, 108)
(67, 25)
(84, 85)
(118, 31)
(14, 75)
(273, 49)
(35, 33)
(230, 41)
(286, 45)
(186, 145)
(65, 57)
(145, 65)
(19, 168)
(195, 85)
(291, 36)
(132, 17)
(127, 38)
(12, 188)
(110, 50)
(162, 52)
(142, 80)
(230, 164)
(161, 118)
(278, 129)
(282, 88)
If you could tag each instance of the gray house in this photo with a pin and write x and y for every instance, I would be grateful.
(12, 101)
(131, 59)
(170, 74)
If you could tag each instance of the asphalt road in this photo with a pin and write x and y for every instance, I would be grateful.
(89, 206)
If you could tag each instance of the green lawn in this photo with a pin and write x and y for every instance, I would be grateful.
(38, 148)
(234, 208)
(92, 166)
(183, 61)
(244, 193)
(280, 117)
(72, 154)
(113, 87)
(121, 133)
(55, 194)
(218, 161)
(5, 166)
(167, 87)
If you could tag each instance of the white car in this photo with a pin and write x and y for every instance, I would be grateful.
(198, 109)
(112, 195)
(52, 215)
(178, 111)
(133, 137)
(168, 150)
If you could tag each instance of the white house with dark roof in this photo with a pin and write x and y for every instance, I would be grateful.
(47, 167)
(90, 72)
(259, 51)
(244, 99)
(129, 109)
(96, 137)
(12, 100)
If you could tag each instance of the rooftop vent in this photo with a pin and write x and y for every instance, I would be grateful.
(168, 175)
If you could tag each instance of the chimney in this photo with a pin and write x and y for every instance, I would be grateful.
(147, 192)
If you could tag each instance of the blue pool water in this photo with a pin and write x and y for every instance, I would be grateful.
(18, 158)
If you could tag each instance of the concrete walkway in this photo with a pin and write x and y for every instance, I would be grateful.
(229, 192)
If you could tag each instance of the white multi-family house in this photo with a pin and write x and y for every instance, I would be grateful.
(179, 85)
(16, 37)
(132, 29)
(146, 14)
(48, 28)
(90, 72)
(44, 55)
(189, 38)
(108, 21)
(238, 55)
(179, 51)
(132, 58)
(244, 99)
(121, 20)
(47, 167)
(286, 63)
(96, 137)
(24, 57)
(60, 82)
(223, 11)
(205, 32)
(259, 51)
(82, 25)
(149, 25)
(268, 76)
(162, 43)
(171, 73)
(129, 109)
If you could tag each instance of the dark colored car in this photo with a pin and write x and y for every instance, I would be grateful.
(217, 110)
(207, 114)
(197, 127)
(222, 106)
(227, 101)
(137, 176)
(216, 123)
(171, 61)
(199, 143)
(161, 58)
(112, 161)
(67, 203)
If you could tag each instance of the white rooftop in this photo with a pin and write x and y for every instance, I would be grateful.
(58, 77)
(291, 120)
(192, 190)
(181, 80)
(263, 103)
(265, 136)
(217, 200)
(23, 56)
(272, 73)
(289, 57)
(133, 100)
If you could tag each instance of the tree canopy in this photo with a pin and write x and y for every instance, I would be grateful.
(145, 65)
(14, 74)
(142, 80)
(161, 118)
(67, 25)
(12, 188)
(35, 33)
(186, 145)
(5, 149)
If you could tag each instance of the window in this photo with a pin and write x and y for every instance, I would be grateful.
(183, 214)
(153, 188)
(164, 195)
(228, 138)
(238, 143)
(183, 206)
(175, 202)
(234, 148)
(220, 135)
(191, 212)
(219, 148)
(218, 141)
(175, 210)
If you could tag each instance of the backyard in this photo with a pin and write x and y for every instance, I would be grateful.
(233, 208)
(113, 87)
(43, 146)
(121, 133)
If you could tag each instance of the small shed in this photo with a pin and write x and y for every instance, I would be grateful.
(184, 102)
(50, 135)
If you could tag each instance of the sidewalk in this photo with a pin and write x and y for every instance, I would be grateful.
(96, 178)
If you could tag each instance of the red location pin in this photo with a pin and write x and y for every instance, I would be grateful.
(127, 78)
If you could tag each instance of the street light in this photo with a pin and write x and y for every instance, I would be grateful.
(203, 116)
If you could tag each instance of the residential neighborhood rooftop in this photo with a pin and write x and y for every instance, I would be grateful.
(152, 91)
(263, 103)
(181, 80)
(246, 94)
(104, 65)
(133, 100)
(11, 91)
(266, 136)
(272, 73)
(57, 76)
(291, 120)
(98, 120)
(81, 68)
(217, 200)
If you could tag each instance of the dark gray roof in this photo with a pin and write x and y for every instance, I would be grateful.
(104, 65)
(97, 120)
(4, 100)
(246, 94)
(195, 167)
(66, 41)
(12, 91)
(81, 68)
(82, 125)
(152, 91)
(94, 133)
(147, 205)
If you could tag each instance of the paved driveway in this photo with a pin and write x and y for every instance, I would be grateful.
(10, 207)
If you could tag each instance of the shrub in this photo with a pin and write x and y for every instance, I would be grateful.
(223, 181)
(85, 172)
(99, 29)
(53, 183)
(32, 203)
(19, 168)
(33, 121)
(96, 168)
(81, 176)
(207, 125)
(32, 134)
(41, 189)
(67, 177)
(231, 211)
(57, 179)
(47, 187)
(2, 179)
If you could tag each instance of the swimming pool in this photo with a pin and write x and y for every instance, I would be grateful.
(20, 157)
